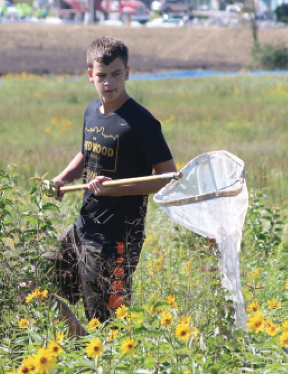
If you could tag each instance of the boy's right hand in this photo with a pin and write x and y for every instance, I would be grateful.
(59, 183)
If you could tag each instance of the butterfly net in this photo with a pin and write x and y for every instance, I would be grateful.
(211, 199)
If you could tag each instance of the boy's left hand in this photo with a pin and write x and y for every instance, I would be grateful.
(96, 186)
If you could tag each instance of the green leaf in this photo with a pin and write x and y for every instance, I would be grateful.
(50, 206)
(149, 362)
(125, 368)
(33, 189)
(140, 330)
(161, 305)
(5, 187)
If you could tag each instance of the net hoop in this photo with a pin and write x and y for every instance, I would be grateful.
(225, 192)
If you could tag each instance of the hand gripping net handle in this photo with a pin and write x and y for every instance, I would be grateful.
(224, 192)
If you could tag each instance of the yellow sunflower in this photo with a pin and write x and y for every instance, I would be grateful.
(285, 325)
(94, 348)
(37, 294)
(128, 346)
(122, 311)
(27, 366)
(93, 323)
(134, 315)
(253, 307)
(254, 274)
(270, 327)
(273, 305)
(113, 334)
(166, 319)
(34, 295)
(44, 360)
(256, 322)
(172, 302)
(23, 323)
(44, 294)
(59, 337)
(54, 348)
(185, 320)
(183, 331)
(283, 339)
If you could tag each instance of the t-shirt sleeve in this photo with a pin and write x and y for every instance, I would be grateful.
(152, 141)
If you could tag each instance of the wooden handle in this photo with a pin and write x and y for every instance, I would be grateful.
(122, 182)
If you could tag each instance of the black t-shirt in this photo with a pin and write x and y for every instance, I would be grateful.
(122, 144)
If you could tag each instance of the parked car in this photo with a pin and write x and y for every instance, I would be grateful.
(175, 6)
(168, 22)
(105, 10)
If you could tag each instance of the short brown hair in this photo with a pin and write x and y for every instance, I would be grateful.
(105, 50)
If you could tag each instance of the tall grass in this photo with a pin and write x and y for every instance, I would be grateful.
(41, 120)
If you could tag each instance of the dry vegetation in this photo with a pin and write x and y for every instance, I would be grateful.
(61, 49)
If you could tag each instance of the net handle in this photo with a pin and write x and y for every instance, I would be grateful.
(122, 182)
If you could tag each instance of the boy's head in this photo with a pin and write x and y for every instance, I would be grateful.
(105, 50)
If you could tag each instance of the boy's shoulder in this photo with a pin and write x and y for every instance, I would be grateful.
(134, 109)
(93, 105)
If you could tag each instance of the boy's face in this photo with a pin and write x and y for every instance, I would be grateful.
(109, 80)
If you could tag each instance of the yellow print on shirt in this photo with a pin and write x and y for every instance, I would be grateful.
(98, 148)
(106, 146)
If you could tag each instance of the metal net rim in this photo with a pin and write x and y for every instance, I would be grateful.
(199, 198)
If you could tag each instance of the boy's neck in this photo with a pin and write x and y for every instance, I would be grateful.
(110, 107)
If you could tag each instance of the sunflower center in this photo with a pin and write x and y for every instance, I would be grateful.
(55, 349)
(43, 360)
(96, 349)
(130, 346)
(25, 370)
(183, 333)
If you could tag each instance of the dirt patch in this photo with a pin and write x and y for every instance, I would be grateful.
(51, 49)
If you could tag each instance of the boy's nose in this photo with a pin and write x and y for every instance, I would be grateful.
(108, 80)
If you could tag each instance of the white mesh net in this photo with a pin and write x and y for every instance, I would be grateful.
(211, 199)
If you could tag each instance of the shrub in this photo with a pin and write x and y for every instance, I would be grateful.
(270, 56)
(282, 13)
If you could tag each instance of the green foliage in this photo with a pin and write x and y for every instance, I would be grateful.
(270, 56)
(282, 13)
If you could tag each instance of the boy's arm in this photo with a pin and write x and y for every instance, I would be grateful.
(133, 189)
(72, 172)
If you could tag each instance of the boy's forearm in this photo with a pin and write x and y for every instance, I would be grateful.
(135, 189)
(73, 171)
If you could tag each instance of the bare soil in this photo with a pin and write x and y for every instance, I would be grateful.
(51, 49)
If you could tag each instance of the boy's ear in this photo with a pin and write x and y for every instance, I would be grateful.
(127, 72)
(90, 74)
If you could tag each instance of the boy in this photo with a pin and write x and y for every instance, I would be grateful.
(121, 139)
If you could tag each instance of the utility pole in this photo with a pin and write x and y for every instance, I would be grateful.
(92, 11)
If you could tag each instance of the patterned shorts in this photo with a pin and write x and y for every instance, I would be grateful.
(100, 274)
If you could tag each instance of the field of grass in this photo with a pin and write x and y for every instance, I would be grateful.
(174, 287)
